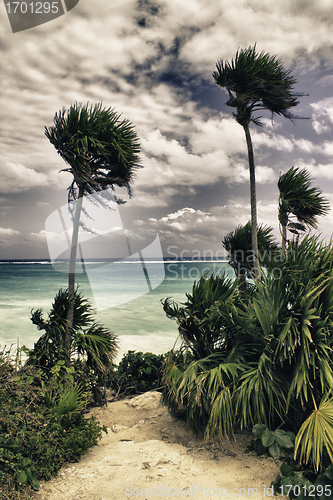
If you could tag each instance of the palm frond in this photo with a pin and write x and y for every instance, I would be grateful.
(315, 434)
(261, 394)
(238, 244)
(72, 401)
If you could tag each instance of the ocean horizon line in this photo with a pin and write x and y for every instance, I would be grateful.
(122, 260)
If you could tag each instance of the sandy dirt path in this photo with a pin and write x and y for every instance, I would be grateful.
(148, 453)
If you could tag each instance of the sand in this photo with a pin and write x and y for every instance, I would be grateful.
(149, 453)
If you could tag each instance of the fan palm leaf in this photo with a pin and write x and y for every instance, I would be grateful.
(72, 400)
(316, 433)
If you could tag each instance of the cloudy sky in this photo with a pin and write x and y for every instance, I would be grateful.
(152, 60)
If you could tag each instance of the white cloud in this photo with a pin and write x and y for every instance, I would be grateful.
(42, 235)
(306, 146)
(17, 177)
(178, 214)
(9, 237)
(171, 163)
(318, 170)
(322, 116)
(215, 134)
(6, 231)
(273, 141)
(265, 174)
(245, 22)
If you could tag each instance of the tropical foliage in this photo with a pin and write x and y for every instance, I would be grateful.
(42, 426)
(261, 356)
(298, 199)
(294, 482)
(139, 372)
(102, 151)
(254, 82)
(272, 442)
(93, 347)
(100, 148)
(238, 245)
(200, 330)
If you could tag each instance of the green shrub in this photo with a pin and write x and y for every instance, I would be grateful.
(139, 372)
(201, 329)
(42, 426)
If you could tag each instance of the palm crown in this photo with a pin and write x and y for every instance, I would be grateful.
(256, 82)
(100, 149)
(299, 199)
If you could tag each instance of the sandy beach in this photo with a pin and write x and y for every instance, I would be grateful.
(149, 453)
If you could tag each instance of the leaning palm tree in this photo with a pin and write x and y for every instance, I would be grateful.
(297, 198)
(101, 151)
(256, 82)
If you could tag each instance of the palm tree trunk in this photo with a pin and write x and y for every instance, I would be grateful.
(284, 239)
(71, 278)
(254, 235)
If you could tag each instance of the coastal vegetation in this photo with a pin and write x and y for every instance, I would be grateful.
(260, 355)
(93, 347)
(255, 354)
(138, 372)
(42, 424)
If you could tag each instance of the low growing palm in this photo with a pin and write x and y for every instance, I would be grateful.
(238, 245)
(90, 341)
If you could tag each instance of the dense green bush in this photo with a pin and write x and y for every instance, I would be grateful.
(266, 352)
(42, 426)
(138, 372)
(202, 330)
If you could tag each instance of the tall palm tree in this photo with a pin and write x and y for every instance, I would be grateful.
(297, 198)
(102, 151)
(256, 82)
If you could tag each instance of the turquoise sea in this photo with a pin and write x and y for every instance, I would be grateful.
(118, 291)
